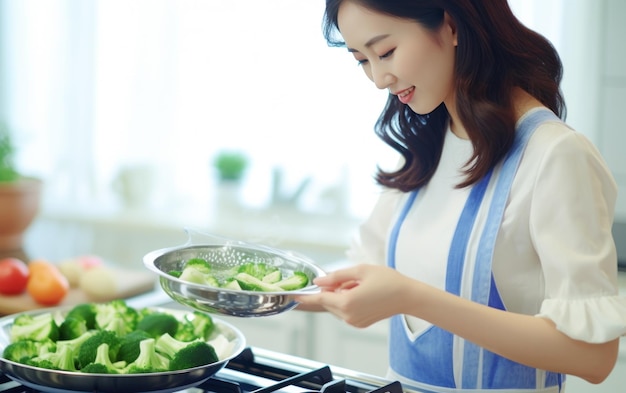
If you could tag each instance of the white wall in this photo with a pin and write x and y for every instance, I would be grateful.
(612, 138)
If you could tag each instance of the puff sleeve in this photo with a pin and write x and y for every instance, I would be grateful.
(571, 217)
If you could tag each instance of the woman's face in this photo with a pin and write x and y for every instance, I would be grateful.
(401, 55)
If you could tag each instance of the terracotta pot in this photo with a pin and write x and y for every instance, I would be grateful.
(19, 205)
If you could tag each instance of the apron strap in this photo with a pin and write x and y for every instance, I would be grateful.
(484, 256)
(483, 283)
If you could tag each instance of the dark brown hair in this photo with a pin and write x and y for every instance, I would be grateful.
(495, 53)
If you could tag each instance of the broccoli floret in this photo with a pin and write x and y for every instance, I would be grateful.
(197, 325)
(185, 355)
(75, 343)
(198, 271)
(61, 359)
(257, 269)
(198, 277)
(95, 368)
(37, 328)
(273, 277)
(158, 323)
(129, 347)
(88, 350)
(148, 361)
(175, 273)
(231, 283)
(23, 350)
(102, 359)
(71, 328)
(86, 312)
(297, 281)
(116, 316)
(251, 283)
(198, 264)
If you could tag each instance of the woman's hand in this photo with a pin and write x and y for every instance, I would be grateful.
(361, 295)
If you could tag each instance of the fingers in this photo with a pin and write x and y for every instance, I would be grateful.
(353, 295)
(337, 304)
(324, 299)
(332, 284)
(338, 278)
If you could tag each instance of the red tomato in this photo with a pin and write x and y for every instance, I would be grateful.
(46, 284)
(13, 276)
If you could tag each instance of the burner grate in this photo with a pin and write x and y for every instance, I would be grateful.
(317, 380)
(7, 385)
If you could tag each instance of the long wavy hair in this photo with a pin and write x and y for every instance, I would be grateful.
(495, 54)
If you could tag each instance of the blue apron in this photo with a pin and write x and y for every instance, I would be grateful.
(429, 359)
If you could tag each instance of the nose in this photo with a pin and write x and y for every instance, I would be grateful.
(381, 77)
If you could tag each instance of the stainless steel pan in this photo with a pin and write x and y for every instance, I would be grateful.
(55, 381)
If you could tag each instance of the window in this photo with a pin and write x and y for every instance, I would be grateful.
(92, 87)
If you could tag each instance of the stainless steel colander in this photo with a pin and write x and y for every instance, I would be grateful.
(223, 254)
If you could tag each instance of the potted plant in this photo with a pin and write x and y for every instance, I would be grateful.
(230, 165)
(19, 199)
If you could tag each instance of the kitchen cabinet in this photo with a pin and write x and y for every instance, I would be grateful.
(346, 346)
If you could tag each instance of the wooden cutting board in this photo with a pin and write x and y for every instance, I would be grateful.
(132, 283)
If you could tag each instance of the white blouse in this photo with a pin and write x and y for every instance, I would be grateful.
(554, 255)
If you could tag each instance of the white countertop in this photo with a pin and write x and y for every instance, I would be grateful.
(268, 226)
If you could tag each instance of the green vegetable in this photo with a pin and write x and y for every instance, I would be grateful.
(37, 328)
(96, 368)
(197, 277)
(198, 264)
(88, 350)
(149, 361)
(74, 344)
(175, 273)
(297, 281)
(85, 312)
(157, 324)
(106, 348)
(71, 328)
(21, 351)
(273, 277)
(116, 316)
(250, 276)
(196, 325)
(60, 359)
(251, 283)
(257, 270)
(129, 347)
(231, 283)
(185, 355)
(102, 358)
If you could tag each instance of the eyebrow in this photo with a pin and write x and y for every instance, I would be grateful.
(371, 41)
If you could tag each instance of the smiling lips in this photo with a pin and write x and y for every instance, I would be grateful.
(406, 95)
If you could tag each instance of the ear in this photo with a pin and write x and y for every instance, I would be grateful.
(450, 26)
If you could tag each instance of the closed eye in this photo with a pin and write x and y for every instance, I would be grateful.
(383, 57)
(387, 55)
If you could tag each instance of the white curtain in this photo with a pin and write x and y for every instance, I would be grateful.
(93, 86)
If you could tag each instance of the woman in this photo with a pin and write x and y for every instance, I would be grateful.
(490, 248)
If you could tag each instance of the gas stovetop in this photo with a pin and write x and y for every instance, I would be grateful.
(257, 370)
